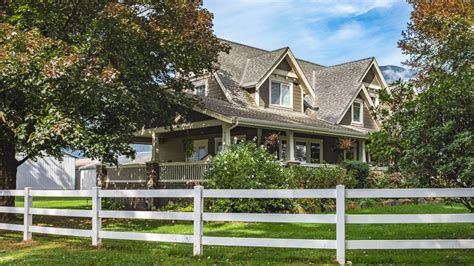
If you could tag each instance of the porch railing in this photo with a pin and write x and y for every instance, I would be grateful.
(174, 172)
(179, 172)
(128, 173)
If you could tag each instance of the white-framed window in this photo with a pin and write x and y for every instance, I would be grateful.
(201, 150)
(200, 88)
(358, 111)
(281, 93)
(218, 142)
(307, 150)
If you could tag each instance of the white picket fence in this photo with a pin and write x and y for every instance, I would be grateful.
(199, 216)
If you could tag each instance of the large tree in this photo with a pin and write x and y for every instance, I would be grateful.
(430, 136)
(87, 75)
(439, 39)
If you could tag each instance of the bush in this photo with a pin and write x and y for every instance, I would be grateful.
(359, 169)
(245, 166)
(314, 178)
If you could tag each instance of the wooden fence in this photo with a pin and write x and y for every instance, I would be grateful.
(198, 216)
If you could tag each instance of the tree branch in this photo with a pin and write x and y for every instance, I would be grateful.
(20, 162)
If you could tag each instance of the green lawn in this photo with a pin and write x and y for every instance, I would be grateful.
(46, 249)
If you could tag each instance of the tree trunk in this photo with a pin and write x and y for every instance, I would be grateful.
(8, 168)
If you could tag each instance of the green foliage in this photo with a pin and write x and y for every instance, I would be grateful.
(431, 138)
(314, 178)
(359, 169)
(320, 177)
(245, 166)
(88, 75)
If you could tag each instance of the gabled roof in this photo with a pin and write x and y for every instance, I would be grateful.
(256, 67)
(336, 86)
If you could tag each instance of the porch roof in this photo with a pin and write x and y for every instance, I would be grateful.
(275, 118)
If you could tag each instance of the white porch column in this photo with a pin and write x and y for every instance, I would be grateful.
(155, 147)
(226, 140)
(290, 144)
(362, 151)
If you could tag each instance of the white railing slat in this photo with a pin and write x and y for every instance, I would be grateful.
(11, 227)
(147, 193)
(61, 212)
(174, 238)
(270, 193)
(185, 216)
(12, 192)
(184, 172)
(409, 218)
(411, 244)
(410, 193)
(269, 242)
(270, 218)
(61, 193)
(60, 231)
(11, 209)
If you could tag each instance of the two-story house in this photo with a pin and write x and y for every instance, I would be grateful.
(256, 93)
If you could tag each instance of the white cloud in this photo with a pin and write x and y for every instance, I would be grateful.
(327, 32)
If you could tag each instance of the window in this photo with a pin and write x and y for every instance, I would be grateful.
(357, 111)
(200, 150)
(218, 142)
(200, 87)
(200, 90)
(280, 94)
(306, 150)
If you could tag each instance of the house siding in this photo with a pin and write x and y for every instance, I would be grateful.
(284, 65)
(264, 94)
(369, 121)
(370, 78)
(297, 98)
(214, 89)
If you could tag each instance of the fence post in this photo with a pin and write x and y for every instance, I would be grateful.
(198, 222)
(340, 224)
(96, 220)
(27, 217)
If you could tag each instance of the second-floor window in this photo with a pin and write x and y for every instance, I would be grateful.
(200, 87)
(280, 94)
(200, 90)
(357, 111)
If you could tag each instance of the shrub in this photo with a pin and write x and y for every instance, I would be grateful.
(246, 166)
(321, 177)
(359, 169)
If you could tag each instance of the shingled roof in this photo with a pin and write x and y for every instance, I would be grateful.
(334, 86)
(275, 116)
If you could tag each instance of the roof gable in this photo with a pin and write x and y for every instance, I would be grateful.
(337, 86)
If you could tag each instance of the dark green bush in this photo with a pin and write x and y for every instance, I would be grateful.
(359, 169)
(317, 178)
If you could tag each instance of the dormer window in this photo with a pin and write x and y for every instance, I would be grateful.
(281, 94)
(200, 88)
(357, 111)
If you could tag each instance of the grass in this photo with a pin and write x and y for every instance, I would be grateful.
(60, 250)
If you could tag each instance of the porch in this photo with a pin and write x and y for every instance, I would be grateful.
(183, 155)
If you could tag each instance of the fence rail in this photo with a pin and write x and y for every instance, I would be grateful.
(198, 216)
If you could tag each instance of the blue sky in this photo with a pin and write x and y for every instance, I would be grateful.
(323, 31)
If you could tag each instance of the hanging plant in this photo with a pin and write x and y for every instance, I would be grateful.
(346, 143)
(188, 148)
(272, 139)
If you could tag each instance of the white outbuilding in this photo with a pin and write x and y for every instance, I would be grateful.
(47, 173)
